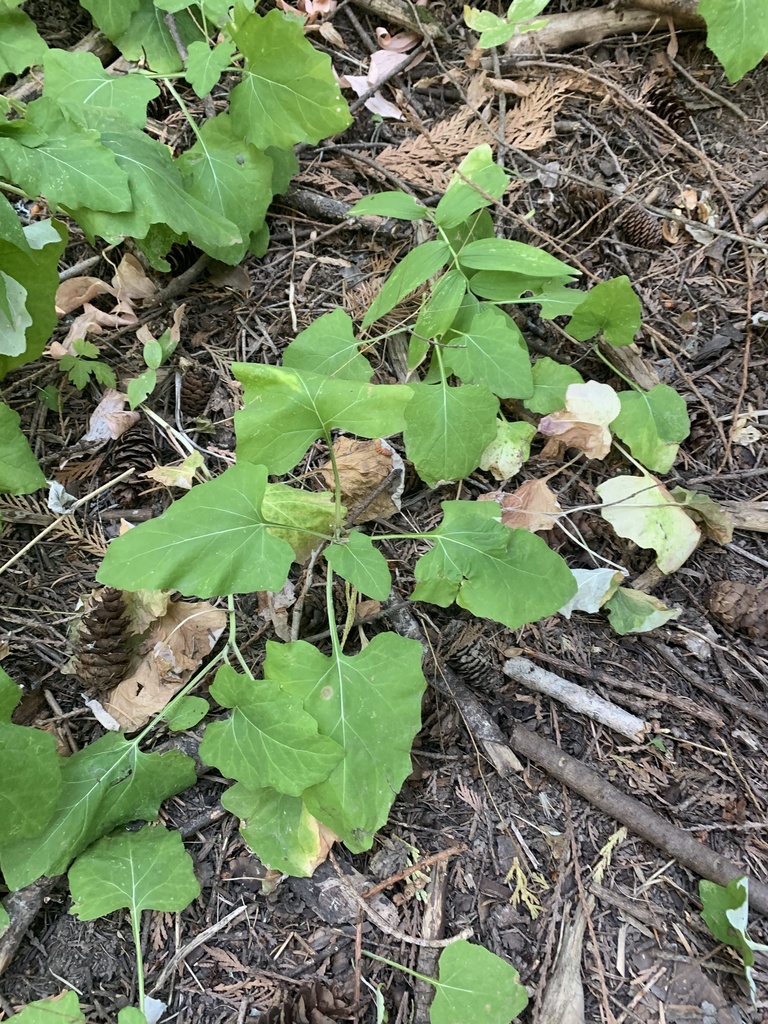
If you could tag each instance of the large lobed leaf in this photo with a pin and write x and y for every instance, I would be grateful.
(19, 471)
(737, 32)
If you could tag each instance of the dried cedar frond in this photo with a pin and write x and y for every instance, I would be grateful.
(641, 228)
(742, 606)
(667, 105)
(196, 387)
(312, 1004)
(103, 647)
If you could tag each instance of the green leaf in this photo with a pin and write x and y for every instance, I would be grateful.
(358, 562)
(287, 410)
(439, 311)
(35, 267)
(556, 298)
(412, 271)
(611, 308)
(213, 541)
(479, 225)
(147, 37)
(514, 257)
(510, 576)
(725, 912)
(509, 450)
(399, 205)
(112, 16)
(550, 382)
(329, 347)
(90, 96)
(477, 182)
(302, 518)
(19, 471)
(504, 286)
(487, 348)
(447, 429)
(653, 423)
(138, 389)
(475, 985)
(31, 772)
(62, 1009)
(632, 611)
(10, 227)
(14, 318)
(21, 45)
(288, 93)
(185, 713)
(371, 705)
(494, 31)
(277, 827)
(4, 920)
(221, 169)
(135, 871)
(153, 354)
(10, 695)
(269, 740)
(105, 784)
(205, 65)
(713, 520)
(737, 33)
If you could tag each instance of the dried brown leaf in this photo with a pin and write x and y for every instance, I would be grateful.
(365, 468)
(533, 505)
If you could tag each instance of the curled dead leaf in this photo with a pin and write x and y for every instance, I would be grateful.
(583, 424)
(372, 476)
(77, 291)
(533, 506)
(110, 418)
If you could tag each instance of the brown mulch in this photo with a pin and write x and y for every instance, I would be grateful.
(532, 850)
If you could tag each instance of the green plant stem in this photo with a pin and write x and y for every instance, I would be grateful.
(180, 695)
(232, 640)
(400, 967)
(185, 111)
(338, 521)
(6, 187)
(136, 931)
(635, 387)
(335, 642)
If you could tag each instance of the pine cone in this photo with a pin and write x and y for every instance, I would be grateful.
(581, 204)
(741, 606)
(136, 450)
(103, 650)
(196, 387)
(670, 108)
(641, 229)
(312, 1004)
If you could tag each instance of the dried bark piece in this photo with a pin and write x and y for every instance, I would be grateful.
(103, 648)
(741, 606)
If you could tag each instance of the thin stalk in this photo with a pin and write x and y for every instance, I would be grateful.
(338, 518)
(609, 364)
(335, 643)
(232, 640)
(185, 111)
(136, 930)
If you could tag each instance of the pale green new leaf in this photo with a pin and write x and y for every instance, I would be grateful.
(222, 169)
(475, 985)
(398, 205)
(62, 1009)
(21, 45)
(19, 471)
(135, 871)
(358, 562)
(509, 450)
(632, 611)
(477, 182)
(329, 347)
(31, 772)
(501, 254)
(286, 410)
(205, 65)
(487, 348)
(494, 31)
(105, 784)
(726, 914)
(737, 33)
(653, 423)
(302, 518)
(278, 828)
(550, 382)
(371, 705)
(611, 308)
(269, 740)
(447, 429)
(77, 83)
(288, 93)
(509, 575)
(213, 541)
(413, 270)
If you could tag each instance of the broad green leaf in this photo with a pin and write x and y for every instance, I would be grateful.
(19, 471)
(21, 45)
(62, 1009)
(31, 772)
(477, 182)
(361, 564)
(288, 93)
(132, 1015)
(611, 308)
(302, 518)
(138, 389)
(205, 65)
(447, 429)
(286, 410)
(505, 286)
(159, 195)
(112, 16)
(10, 695)
(713, 520)
(512, 257)
(737, 33)
(412, 271)
(88, 95)
(487, 348)
(653, 423)
(550, 382)
(642, 509)
(185, 713)
(269, 740)
(371, 705)
(726, 912)
(105, 784)
(213, 541)
(147, 36)
(508, 575)
(35, 267)
(557, 298)
(439, 311)
(329, 347)
(399, 205)
(632, 611)
(69, 166)
(475, 985)
(509, 450)
(478, 226)
(221, 169)
(135, 871)
(278, 828)
(10, 227)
